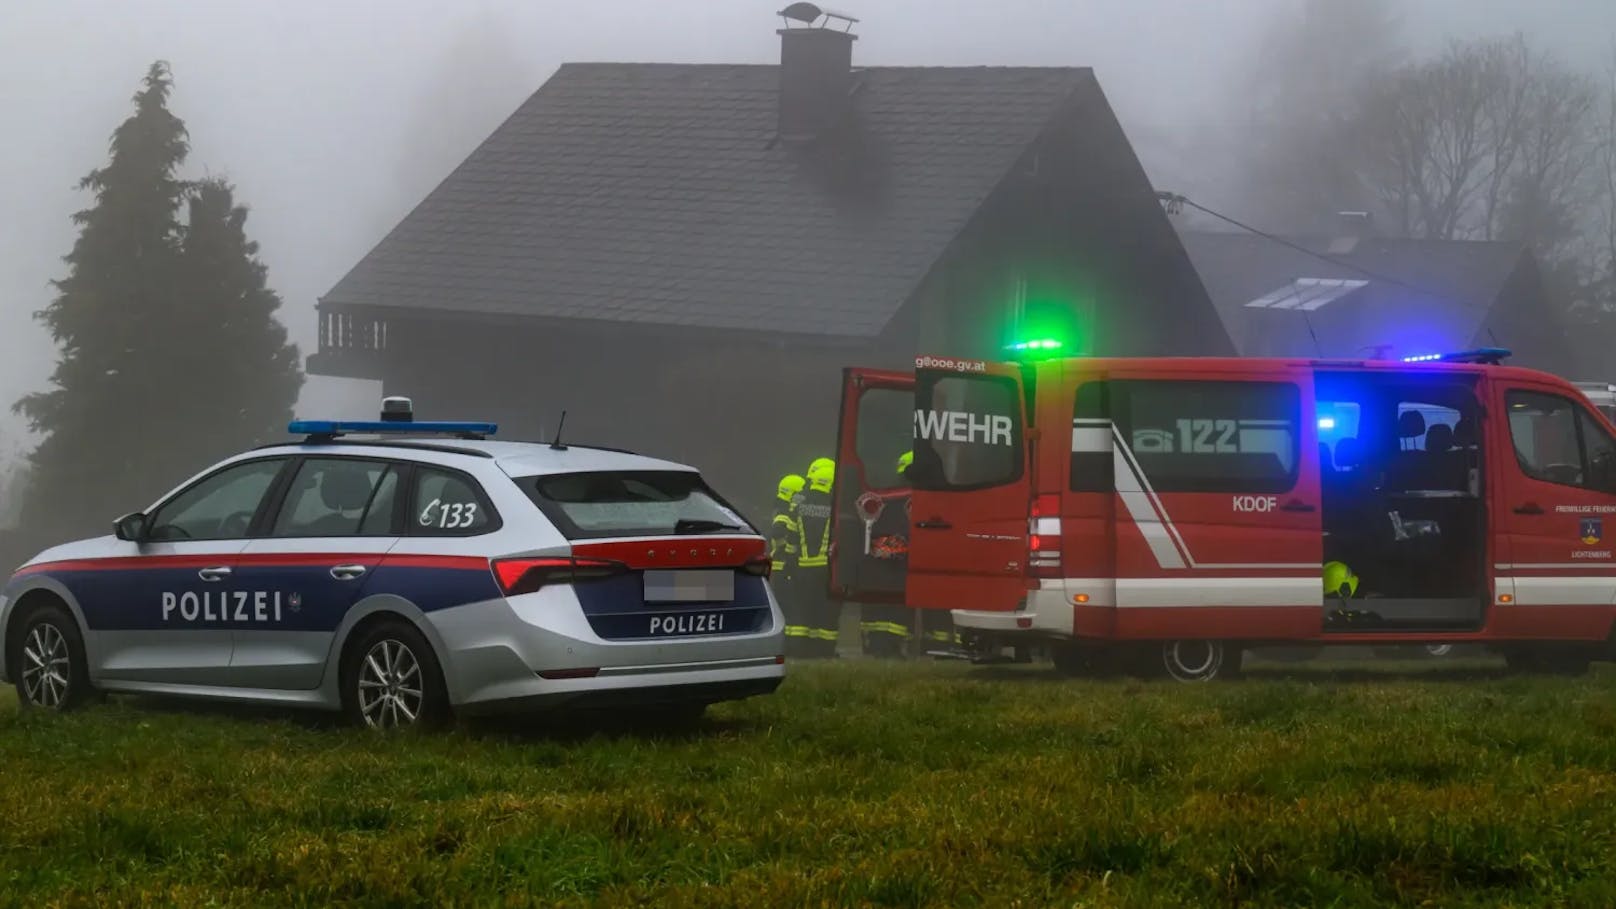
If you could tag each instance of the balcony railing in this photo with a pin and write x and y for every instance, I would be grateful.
(346, 331)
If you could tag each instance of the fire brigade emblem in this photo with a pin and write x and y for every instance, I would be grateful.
(1593, 530)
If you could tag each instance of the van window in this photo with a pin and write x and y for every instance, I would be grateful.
(967, 433)
(1189, 436)
(1092, 467)
(1558, 442)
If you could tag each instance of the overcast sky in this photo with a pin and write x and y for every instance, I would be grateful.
(333, 117)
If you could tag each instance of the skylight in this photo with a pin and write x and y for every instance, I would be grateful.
(1307, 294)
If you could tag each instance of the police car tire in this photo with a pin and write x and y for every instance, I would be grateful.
(52, 624)
(434, 711)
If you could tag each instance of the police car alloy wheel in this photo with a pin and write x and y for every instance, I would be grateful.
(394, 680)
(51, 671)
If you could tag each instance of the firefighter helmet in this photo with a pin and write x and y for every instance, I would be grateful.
(1339, 580)
(822, 473)
(904, 460)
(790, 485)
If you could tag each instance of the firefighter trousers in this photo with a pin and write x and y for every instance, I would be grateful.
(788, 591)
(885, 630)
(820, 615)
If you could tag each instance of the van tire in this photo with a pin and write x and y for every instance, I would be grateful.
(1072, 660)
(1548, 660)
(1197, 660)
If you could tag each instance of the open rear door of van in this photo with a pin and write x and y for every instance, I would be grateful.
(971, 500)
(869, 511)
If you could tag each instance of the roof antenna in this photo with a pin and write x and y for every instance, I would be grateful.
(555, 443)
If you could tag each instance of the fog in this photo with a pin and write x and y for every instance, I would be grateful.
(334, 119)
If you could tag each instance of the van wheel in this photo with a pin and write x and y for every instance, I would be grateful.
(52, 672)
(1072, 660)
(1542, 660)
(392, 680)
(1200, 661)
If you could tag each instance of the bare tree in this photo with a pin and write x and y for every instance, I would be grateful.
(1491, 140)
(1603, 185)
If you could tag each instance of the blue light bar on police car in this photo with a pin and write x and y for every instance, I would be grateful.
(1489, 355)
(388, 427)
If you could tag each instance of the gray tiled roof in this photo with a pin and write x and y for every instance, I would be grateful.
(656, 193)
(1462, 282)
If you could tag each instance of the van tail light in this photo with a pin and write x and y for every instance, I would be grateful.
(760, 567)
(1044, 538)
(526, 575)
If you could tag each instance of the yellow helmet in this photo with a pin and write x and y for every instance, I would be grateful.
(904, 460)
(822, 473)
(1339, 580)
(790, 485)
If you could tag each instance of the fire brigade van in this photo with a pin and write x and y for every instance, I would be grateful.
(1168, 514)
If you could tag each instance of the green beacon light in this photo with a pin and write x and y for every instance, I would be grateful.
(1037, 344)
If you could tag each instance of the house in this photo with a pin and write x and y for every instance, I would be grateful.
(684, 257)
(1357, 294)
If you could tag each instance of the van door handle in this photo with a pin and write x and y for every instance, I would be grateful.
(347, 572)
(934, 524)
(1296, 505)
(1528, 508)
(214, 574)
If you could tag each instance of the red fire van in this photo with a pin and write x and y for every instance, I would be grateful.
(1179, 511)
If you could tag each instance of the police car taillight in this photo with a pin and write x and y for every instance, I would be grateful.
(1044, 538)
(759, 567)
(518, 576)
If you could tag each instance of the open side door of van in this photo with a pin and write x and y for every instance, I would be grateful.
(869, 511)
(968, 534)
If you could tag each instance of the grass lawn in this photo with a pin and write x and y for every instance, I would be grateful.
(859, 783)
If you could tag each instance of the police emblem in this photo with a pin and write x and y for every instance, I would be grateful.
(1593, 530)
(294, 600)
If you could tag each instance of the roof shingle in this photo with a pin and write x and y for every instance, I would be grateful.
(656, 193)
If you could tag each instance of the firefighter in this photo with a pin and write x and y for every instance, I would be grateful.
(885, 628)
(810, 579)
(783, 533)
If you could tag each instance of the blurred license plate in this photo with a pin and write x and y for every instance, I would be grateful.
(689, 586)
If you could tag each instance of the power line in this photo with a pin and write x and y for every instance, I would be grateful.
(1175, 200)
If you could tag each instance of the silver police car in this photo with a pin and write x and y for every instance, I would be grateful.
(402, 571)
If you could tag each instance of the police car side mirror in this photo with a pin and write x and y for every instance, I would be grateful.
(131, 527)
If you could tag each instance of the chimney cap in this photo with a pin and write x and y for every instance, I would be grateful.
(809, 13)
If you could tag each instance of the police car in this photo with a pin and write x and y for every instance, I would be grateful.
(399, 571)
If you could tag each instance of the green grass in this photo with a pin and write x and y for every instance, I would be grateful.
(897, 785)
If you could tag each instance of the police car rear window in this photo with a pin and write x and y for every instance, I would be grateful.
(599, 504)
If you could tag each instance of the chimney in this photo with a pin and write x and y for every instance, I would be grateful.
(1351, 227)
(816, 70)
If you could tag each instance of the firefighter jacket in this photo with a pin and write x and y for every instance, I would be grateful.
(783, 533)
(813, 527)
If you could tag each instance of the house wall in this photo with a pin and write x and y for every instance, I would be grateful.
(742, 409)
(1524, 320)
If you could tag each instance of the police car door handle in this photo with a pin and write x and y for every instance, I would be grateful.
(347, 572)
(934, 524)
(1528, 508)
(214, 574)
